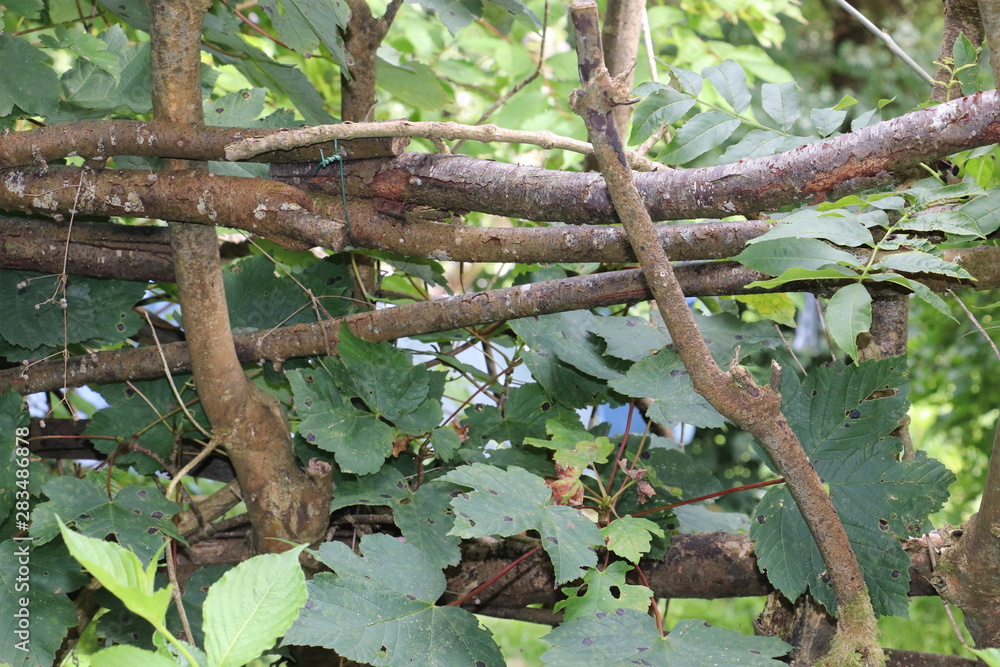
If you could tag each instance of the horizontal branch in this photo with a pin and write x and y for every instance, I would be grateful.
(98, 140)
(266, 208)
(848, 163)
(605, 244)
(468, 310)
(702, 565)
(306, 136)
(96, 249)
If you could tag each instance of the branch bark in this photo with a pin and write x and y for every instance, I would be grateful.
(734, 394)
(961, 17)
(280, 212)
(469, 310)
(878, 155)
(99, 140)
(282, 500)
(969, 576)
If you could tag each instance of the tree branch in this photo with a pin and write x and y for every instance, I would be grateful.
(877, 155)
(277, 211)
(468, 310)
(282, 500)
(99, 140)
(734, 394)
(961, 17)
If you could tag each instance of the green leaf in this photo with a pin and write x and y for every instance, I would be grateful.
(259, 298)
(144, 411)
(603, 592)
(305, 23)
(97, 312)
(90, 86)
(423, 516)
(662, 377)
(263, 72)
(947, 193)
(928, 295)
(417, 85)
(760, 143)
(379, 609)
(835, 229)
(524, 416)
(138, 517)
(700, 135)
(776, 307)
(627, 636)
(508, 502)
(792, 275)
(955, 223)
(84, 45)
(663, 106)
(776, 257)
(878, 498)
(53, 574)
(631, 338)
(574, 447)
(630, 537)
(848, 314)
(561, 381)
(454, 14)
(690, 81)
(827, 121)
(129, 656)
(29, 9)
(29, 83)
(237, 109)
(567, 335)
(922, 262)
(359, 440)
(251, 606)
(384, 376)
(427, 270)
(445, 441)
(780, 101)
(991, 656)
(121, 572)
(133, 12)
(985, 211)
(730, 81)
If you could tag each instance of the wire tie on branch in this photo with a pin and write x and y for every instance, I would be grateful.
(327, 161)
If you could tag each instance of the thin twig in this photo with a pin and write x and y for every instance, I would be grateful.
(790, 350)
(306, 136)
(979, 326)
(520, 84)
(889, 41)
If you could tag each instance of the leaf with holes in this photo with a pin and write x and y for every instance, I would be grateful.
(845, 433)
(627, 636)
(603, 591)
(507, 502)
(378, 608)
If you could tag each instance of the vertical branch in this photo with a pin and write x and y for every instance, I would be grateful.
(990, 11)
(961, 17)
(362, 37)
(969, 572)
(734, 394)
(620, 35)
(281, 499)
